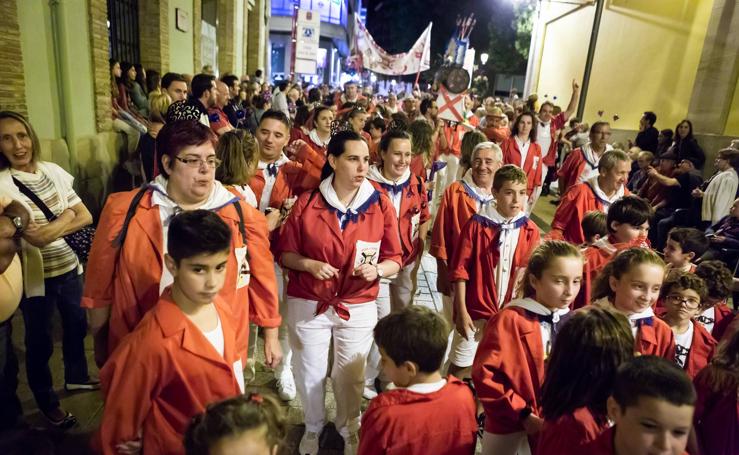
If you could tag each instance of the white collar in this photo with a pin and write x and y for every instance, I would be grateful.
(366, 190)
(599, 192)
(316, 139)
(648, 313)
(376, 174)
(219, 196)
(589, 155)
(481, 196)
(535, 307)
(490, 212)
(283, 159)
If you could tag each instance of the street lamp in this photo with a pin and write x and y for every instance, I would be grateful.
(484, 58)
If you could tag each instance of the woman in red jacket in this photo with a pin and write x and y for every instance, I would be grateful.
(337, 243)
(522, 150)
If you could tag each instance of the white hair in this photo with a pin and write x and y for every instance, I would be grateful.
(497, 152)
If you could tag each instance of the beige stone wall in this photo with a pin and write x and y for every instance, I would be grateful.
(154, 34)
(197, 30)
(13, 87)
(98, 18)
(256, 34)
(225, 36)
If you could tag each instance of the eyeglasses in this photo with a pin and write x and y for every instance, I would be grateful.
(689, 302)
(211, 162)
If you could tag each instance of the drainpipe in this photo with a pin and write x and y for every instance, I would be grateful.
(591, 56)
(63, 80)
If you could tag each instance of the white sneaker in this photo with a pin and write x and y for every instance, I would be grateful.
(369, 392)
(309, 443)
(351, 444)
(286, 387)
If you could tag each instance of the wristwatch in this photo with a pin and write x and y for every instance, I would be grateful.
(379, 271)
(18, 223)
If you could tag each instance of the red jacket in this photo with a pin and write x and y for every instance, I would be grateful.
(162, 374)
(402, 422)
(292, 179)
(574, 205)
(557, 123)
(476, 258)
(312, 230)
(569, 432)
(656, 339)
(455, 209)
(723, 316)
(603, 444)
(508, 370)
(532, 166)
(414, 211)
(701, 350)
(716, 417)
(127, 279)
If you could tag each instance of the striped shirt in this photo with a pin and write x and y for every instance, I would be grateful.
(58, 257)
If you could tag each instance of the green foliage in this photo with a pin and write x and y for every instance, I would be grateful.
(509, 40)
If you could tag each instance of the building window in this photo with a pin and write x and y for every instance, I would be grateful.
(123, 30)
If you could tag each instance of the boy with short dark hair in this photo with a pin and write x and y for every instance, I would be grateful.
(652, 406)
(627, 223)
(715, 315)
(183, 354)
(425, 413)
(681, 295)
(682, 247)
(594, 227)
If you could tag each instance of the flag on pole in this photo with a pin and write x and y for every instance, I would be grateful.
(368, 55)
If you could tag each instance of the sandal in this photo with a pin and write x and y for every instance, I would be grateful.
(65, 423)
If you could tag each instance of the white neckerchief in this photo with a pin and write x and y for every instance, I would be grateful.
(546, 330)
(523, 147)
(604, 244)
(376, 175)
(313, 135)
(605, 200)
(648, 313)
(219, 197)
(507, 244)
(366, 190)
(430, 387)
(269, 180)
(482, 197)
(591, 162)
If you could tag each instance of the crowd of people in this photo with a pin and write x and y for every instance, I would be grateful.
(300, 215)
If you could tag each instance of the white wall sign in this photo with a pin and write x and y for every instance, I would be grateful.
(308, 35)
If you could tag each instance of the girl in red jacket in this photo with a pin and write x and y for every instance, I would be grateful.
(573, 404)
(509, 365)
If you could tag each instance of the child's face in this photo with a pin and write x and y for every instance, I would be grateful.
(511, 198)
(682, 304)
(398, 374)
(625, 232)
(643, 161)
(735, 209)
(559, 283)
(251, 442)
(651, 427)
(638, 288)
(200, 278)
(674, 254)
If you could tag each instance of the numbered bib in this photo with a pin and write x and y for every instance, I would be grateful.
(242, 265)
(415, 221)
(366, 253)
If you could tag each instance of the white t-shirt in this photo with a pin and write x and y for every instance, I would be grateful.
(683, 342)
(708, 319)
(544, 137)
(215, 337)
(523, 146)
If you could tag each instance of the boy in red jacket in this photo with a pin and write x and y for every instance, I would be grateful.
(424, 413)
(652, 406)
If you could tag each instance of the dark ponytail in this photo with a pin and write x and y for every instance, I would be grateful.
(337, 147)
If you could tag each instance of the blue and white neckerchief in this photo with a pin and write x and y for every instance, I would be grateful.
(638, 320)
(550, 321)
(592, 162)
(474, 191)
(365, 197)
(601, 196)
(392, 187)
(271, 169)
(489, 216)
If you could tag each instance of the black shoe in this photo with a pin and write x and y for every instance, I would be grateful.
(554, 201)
(480, 425)
(65, 423)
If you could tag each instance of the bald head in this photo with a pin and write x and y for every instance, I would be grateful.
(222, 94)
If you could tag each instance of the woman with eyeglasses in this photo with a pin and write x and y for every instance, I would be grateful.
(126, 276)
(337, 242)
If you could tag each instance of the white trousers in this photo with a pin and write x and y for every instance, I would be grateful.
(284, 368)
(537, 191)
(462, 352)
(505, 444)
(310, 338)
(443, 179)
(394, 294)
(447, 302)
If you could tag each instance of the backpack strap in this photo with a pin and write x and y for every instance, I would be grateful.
(242, 226)
(121, 237)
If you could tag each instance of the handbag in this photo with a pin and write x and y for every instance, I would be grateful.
(80, 241)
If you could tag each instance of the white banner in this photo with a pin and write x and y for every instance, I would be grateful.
(368, 55)
(308, 35)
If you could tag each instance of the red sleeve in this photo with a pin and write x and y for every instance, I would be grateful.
(390, 248)
(442, 224)
(559, 120)
(292, 232)
(101, 265)
(372, 441)
(313, 162)
(128, 381)
(568, 213)
(568, 167)
(425, 213)
(263, 300)
(459, 265)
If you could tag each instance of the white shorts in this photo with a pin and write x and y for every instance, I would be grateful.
(463, 351)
